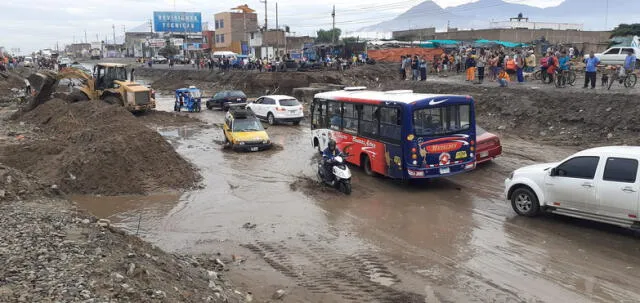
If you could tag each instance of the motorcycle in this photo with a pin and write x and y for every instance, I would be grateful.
(340, 177)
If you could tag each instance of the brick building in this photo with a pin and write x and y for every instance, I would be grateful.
(232, 31)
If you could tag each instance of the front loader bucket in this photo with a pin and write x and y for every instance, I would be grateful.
(42, 85)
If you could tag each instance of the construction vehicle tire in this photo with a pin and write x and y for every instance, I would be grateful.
(77, 96)
(113, 100)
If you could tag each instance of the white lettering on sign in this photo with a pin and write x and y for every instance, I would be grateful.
(363, 142)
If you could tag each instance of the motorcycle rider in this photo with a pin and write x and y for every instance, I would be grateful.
(327, 156)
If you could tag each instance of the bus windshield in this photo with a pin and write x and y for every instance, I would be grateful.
(445, 120)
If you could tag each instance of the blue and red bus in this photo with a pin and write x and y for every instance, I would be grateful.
(399, 134)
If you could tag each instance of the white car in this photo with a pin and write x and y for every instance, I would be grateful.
(28, 62)
(599, 184)
(616, 55)
(277, 108)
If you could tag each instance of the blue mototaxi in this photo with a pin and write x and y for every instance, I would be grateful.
(188, 99)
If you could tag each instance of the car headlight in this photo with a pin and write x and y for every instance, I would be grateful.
(265, 141)
(241, 143)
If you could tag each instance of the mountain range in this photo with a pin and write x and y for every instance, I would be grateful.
(479, 14)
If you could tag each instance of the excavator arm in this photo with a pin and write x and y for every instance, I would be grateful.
(44, 83)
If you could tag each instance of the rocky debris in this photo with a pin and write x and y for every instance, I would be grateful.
(279, 294)
(95, 148)
(50, 252)
(16, 185)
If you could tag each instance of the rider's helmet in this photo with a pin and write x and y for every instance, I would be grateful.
(332, 144)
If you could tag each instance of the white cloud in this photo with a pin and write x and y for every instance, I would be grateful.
(35, 24)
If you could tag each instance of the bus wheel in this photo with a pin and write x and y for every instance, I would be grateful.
(366, 165)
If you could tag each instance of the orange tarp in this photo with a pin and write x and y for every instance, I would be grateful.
(393, 54)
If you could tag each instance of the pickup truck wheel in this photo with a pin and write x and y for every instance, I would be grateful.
(525, 202)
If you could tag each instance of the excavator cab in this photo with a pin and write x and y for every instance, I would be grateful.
(107, 74)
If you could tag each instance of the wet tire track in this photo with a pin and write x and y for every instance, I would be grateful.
(360, 277)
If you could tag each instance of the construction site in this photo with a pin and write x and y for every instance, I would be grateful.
(108, 202)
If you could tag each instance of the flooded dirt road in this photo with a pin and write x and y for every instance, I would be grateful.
(450, 240)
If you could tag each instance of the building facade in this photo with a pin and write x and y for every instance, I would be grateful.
(232, 31)
(414, 34)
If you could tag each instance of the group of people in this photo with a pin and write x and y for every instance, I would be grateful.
(504, 66)
(413, 68)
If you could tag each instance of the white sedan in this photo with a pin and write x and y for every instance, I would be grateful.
(599, 184)
(277, 108)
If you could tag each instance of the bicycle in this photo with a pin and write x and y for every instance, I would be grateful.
(564, 77)
(627, 79)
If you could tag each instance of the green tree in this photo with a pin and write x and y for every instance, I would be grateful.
(623, 30)
(326, 36)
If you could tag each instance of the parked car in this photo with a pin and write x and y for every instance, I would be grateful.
(616, 55)
(226, 96)
(244, 131)
(28, 62)
(278, 108)
(64, 62)
(180, 59)
(159, 59)
(599, 184)
(487, 145)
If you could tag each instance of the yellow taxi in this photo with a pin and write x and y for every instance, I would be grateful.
(244, 131)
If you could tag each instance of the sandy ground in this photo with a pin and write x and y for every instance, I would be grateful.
(450, 240)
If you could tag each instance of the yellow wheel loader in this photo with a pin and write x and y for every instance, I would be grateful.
(110, 83)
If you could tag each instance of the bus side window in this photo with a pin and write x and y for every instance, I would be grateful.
(390, 124)
(350, 118)
(369, 121)
(334, 112)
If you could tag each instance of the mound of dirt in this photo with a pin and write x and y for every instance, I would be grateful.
(95, 148)
(16, 185)
(558, 117)
(11, 87)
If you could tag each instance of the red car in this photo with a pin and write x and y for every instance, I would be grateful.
(487, 147)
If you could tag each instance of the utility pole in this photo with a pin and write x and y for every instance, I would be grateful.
(85, 36)
(265, 14)
(333, 27)
(277, 31)
(114, 35)
(277, 27)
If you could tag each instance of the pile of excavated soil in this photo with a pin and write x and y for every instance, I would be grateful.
(256, 83)
(16, 185)
(95, 148)
(559, 117)
(11, 86)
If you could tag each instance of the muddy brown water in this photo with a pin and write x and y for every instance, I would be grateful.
(449, 240)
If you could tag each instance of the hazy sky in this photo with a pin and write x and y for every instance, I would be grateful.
(35, 24)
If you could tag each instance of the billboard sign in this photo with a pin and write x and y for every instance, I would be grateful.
(177, 22)
(157, 42)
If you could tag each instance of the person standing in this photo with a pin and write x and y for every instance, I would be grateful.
(415, 68)
(480, 64)
(423, 69)
(563, 63)
(470, 64)
(591, 69)
(407, 66)
(403, 62)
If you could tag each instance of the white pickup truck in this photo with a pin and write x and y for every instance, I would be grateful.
(599, 184)
(616, 55)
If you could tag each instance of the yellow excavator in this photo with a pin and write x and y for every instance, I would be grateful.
(110, 82)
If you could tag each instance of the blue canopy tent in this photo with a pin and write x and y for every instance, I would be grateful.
(445, 43)
(488, 43)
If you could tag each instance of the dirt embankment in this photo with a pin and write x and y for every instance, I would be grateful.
(255, 83)
(557, 117)
(11, 87)
(94, 148)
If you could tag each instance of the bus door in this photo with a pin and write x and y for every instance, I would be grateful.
(391, 136)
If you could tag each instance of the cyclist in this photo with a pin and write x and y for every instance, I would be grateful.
(630, 62)
(563, 63)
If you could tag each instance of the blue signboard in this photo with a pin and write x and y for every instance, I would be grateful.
(177, 22)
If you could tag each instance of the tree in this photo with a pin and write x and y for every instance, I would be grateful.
(326, 36)
(623, 30)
